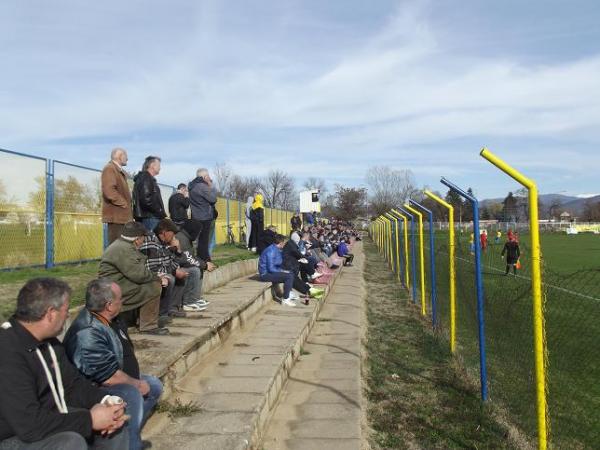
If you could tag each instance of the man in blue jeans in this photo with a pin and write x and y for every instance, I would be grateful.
(99, 346)
(269, 269)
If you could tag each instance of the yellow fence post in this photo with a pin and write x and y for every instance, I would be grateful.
(452, 268)
(539, 338)
(422, 257)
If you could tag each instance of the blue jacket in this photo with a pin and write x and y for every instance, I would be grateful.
(342, 249)
(270, 260)
(94, 348)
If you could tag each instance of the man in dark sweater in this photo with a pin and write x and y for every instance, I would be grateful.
(46, 403)
(179, 203)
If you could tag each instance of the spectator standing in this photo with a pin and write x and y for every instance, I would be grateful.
(148, 206)
(123, 263)
(257, 217)
(483, 240)
(116, 198)
(98, 344)
(296, 221)
(46, 403)
(203, 198)
(179, 204)
(248, 221)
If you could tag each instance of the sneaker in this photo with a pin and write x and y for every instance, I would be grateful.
(159, 331)
(202, 302)
(334, 267)
(316, 275)
(164, 320)
(194, 307)
(288, 302)
(294, 296)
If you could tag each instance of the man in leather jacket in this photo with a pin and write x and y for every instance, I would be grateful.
(148, 206)
(99, 346)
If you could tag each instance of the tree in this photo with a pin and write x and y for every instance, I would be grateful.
(349, 202)
(223, 175)
(591, 211)
(456, 200)
(510, 208)
(389, 188)
(316, 183)
(240, 188)
(554, 209)
(278, 188)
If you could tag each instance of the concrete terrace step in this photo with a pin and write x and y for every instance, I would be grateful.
(236, 386)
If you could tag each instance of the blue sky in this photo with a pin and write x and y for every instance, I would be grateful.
(315, 88)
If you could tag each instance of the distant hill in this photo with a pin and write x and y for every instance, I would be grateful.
(574, 205)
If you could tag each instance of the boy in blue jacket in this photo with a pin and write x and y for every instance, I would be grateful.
(269, 269)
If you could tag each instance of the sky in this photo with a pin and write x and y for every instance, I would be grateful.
(314, 88)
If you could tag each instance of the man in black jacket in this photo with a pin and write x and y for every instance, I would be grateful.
(179, 203)
(148, 206)
(46, 403)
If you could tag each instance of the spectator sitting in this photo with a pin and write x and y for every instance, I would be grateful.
(148, 206)
(124, 264)
(97, 344)
(179, 204)
(266, 238)
(46, 403)
(192, 296)
(159, 247)
(343, 252)
(295, 262)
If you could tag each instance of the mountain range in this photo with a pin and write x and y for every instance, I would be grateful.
(572, 204)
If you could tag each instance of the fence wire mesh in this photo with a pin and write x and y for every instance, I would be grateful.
(22, 210)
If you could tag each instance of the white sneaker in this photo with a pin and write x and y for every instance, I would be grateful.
(202, 302)
(193, 307)
(316, 275)
(288, 302)
(294, 296)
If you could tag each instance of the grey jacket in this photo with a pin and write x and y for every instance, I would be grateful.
(202, 199)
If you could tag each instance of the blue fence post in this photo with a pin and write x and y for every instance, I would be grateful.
(413, 252)
(431, 262)
(49, 214)
(104, 235)
(478, 284)
(401, 257)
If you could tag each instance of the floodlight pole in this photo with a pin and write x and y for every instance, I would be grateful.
(431, 261)
(478, 284)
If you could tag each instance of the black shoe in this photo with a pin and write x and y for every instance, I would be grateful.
(146, 444)
(334, 266)
(159, 331)
(164, 320)
(177, 313)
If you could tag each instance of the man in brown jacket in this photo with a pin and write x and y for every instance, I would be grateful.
(116, 197)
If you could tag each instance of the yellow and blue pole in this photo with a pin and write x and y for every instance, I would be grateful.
(393, 242)
(400, 260)
(421, 257)
(539, 337)
(413, 251)
(431, 261)
(405, 228)
(478, 285)
(452, 268)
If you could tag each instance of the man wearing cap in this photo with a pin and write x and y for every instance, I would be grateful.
(123, 263)
(116, 198)
(160, 248)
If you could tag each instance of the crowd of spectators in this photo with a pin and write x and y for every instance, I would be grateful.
(88, 391)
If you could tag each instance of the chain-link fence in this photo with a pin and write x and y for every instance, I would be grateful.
(50, 213)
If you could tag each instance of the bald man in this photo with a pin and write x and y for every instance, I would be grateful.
(116, 197)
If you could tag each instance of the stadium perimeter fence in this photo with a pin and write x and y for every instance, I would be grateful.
(571, 312)
(50, 213)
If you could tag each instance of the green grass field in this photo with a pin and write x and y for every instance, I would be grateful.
(78, 275)
(571, 278)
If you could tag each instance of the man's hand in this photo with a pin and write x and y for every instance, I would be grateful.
(143, 387)
(164, 280)
(180, 274)
(108, 419)
(175, 243)
(210, 266)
